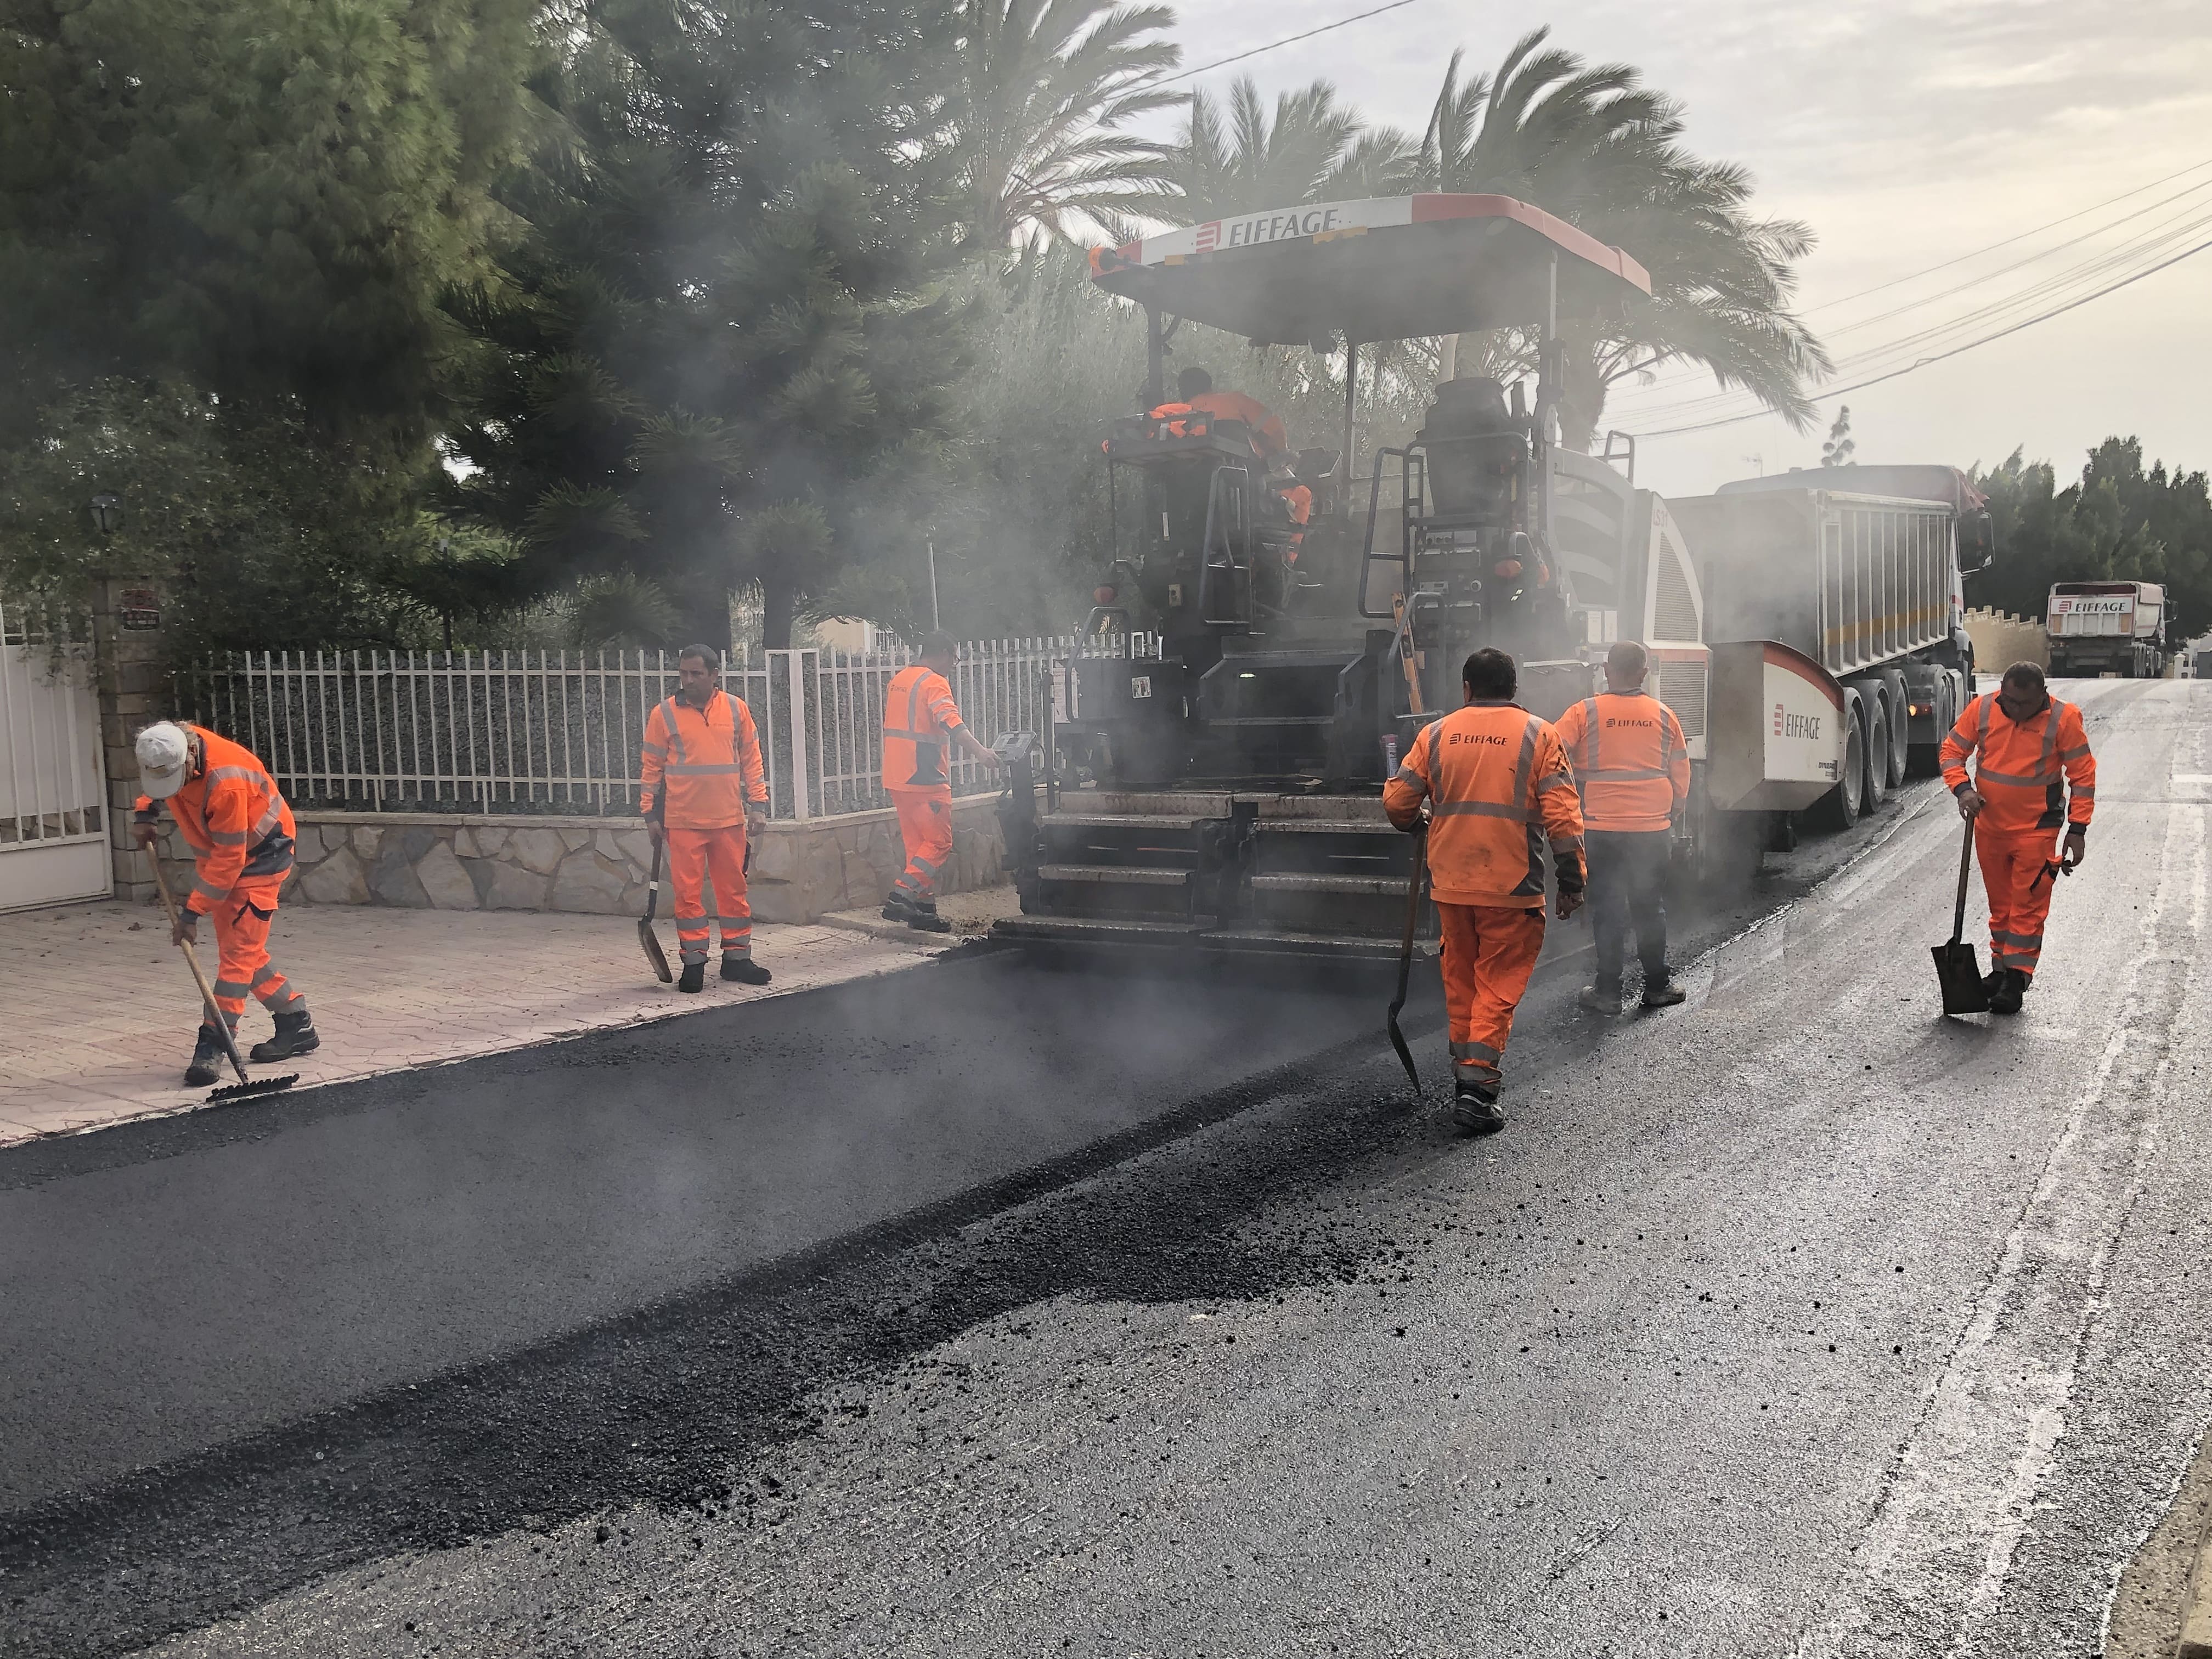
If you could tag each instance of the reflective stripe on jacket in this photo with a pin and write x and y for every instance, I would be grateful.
(920, 717)
(1499, 783)
(2026, 769)
(233, 819)
(706, 761)
(1630, 760)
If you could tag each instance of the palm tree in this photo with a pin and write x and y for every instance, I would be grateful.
(1597, 148)
(1313, 148)
(1044, 88)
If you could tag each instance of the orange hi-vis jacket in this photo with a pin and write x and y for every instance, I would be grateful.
(2018, 774)
(1630, 759)
(1266, 430)
(703, 766)
(233, 819)
(1499, 783)
(920, 717)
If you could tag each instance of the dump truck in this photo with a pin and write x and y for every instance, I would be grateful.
(1211, 782)
(2106, 628)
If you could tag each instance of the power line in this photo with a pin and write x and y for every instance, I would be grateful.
(1668, 382)
(1287, 40)
(1860, 385)
(1914, 276)
(2147, 246)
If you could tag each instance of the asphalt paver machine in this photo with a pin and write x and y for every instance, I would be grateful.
(1265, 676)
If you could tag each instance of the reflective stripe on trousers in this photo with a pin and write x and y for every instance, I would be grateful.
(696, 857)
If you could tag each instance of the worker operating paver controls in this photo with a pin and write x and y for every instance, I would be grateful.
(1498, 784)
(1633, 768)
(705, 791)
(921, 723)
(240, 829)
(2033, 774)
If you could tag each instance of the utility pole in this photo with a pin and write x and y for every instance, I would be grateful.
(933, 623)
(1759, 461)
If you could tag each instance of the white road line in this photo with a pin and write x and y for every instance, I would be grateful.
(1936, 1556)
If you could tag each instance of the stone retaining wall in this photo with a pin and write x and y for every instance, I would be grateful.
(2001, 638)
(801, 871)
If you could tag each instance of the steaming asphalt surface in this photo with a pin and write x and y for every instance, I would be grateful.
(976, 1312)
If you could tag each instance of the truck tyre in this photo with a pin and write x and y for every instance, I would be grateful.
(1840, 808)
(1900, 728)
(1874, 714)
(1922, 760)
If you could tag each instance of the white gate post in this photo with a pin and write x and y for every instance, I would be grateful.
(795, 711)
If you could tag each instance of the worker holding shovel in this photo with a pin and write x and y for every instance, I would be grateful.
(2034, 774)
(228, 810)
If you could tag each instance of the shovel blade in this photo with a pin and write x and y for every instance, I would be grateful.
(649, 942)
(1959, 974)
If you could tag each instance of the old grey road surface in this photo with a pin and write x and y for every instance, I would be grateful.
(982, 1311)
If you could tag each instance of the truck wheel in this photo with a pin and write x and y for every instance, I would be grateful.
(1900, 729)
(1876, 715)
(1922, 760)
(1840, 808)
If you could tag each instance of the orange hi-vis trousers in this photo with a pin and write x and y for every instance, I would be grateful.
(695, 856)
(925, 821)
(2017, 875)
(1489, 952)
(241, 920)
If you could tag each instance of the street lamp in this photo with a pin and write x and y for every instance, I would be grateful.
(107, 513)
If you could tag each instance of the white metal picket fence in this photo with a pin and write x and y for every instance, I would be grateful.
(559, 732)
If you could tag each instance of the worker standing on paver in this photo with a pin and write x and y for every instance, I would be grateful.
(920, 722)
(1632, 767)
(1492, 773)
(240, 829)
(705, 792)
(2028, 741)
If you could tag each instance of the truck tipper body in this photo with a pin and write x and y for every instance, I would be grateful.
(1836, 603)
(2106, 628)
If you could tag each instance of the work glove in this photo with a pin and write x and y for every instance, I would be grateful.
(186, 932)
(2077, 849)
(1970, 803)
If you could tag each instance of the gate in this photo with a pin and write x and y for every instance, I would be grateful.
(53, 819)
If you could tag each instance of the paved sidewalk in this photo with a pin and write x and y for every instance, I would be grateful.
(100, 1012)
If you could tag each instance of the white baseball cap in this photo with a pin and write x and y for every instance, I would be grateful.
(165, 759)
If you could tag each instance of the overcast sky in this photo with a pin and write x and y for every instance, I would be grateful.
(1908, 132)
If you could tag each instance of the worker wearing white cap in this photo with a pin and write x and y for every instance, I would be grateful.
(227, 809)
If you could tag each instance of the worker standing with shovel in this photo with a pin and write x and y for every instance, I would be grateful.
(2033, 774)
(240, 829)
(1498, 783)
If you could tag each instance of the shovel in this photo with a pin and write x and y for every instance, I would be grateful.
(1405, 956)
(646, 937)
(1956, 969)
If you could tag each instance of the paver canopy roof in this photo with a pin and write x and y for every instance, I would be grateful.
(1390, 268)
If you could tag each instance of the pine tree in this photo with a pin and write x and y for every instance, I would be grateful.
(722, 352)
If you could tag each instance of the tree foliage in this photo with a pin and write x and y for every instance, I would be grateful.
(2119, 522)
(726, 340)
(1037, 121)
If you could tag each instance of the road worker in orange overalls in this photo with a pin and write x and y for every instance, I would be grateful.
(1632, 767)
(921, 722)
(2028, 741)
(705, 791)
(1498, 783)
(227, 809)
(1194, 394)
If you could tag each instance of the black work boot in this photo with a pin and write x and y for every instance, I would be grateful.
(1993, 981)
(208, 1055)
(1475, 1110)
(693, 978)
(1665, 994)
(2005, 999)
(896, 908)
(744, 970)
(922, 917)
(1602, 998)
(295, 1035)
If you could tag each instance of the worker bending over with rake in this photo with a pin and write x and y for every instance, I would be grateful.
(1497, 783)
(705, 791)
(228, 812)
(2028, 741)
(920, 722)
